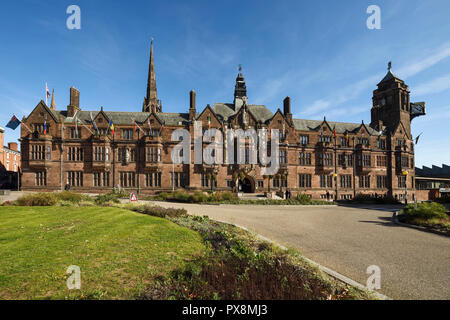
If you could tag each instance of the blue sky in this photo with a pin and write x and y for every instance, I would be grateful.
(320, 53)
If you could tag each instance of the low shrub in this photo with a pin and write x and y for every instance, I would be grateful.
(103, 199)
(158, 211)
(38, 199)
(425, 210)
(369, 199)
(303, 198)
(72, 197)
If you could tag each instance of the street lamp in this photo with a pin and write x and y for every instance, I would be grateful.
(405, 174)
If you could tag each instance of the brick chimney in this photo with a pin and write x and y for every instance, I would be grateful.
(13, 146)
(74, 104)
(287, 109)
(192, 105)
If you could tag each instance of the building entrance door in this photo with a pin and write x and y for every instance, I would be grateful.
(247, 185)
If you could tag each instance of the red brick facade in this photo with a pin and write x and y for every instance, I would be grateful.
(321, 156)
(9, 156)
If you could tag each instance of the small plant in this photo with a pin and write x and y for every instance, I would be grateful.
(425, 210)
(106, 198)
(38, 200)
(161, 212)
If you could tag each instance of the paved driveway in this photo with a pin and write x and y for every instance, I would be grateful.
(414, 264)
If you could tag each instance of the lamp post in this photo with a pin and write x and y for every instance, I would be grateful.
(405, 174)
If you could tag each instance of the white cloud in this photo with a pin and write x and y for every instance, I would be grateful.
(411, 69)
(352, 91)
(436, 85)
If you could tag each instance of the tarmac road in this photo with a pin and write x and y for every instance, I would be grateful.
(414, 264)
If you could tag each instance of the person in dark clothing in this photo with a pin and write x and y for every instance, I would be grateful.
(328, 195)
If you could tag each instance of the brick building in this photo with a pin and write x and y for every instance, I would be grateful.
(9, 155)
(316, 156)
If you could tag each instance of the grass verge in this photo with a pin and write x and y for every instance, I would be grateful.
(238, 265)
(120, 252)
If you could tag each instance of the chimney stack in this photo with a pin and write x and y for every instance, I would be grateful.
(12, 146)
(287, 109)
(74, 104)
(192, 105)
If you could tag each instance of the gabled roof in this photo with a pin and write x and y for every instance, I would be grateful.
(341, 127)
(54, 114)
(226, 111)
(124, 118)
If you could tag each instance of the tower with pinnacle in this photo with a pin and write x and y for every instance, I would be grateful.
(151, 102)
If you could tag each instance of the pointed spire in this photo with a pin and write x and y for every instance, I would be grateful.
(52, 105)
(151, 100)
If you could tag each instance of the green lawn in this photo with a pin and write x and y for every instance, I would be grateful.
(119, 252)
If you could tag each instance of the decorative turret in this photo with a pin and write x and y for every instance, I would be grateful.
(240, 90)
(391, 103)
(151, 102)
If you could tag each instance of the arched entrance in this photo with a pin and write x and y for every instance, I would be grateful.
(247, 185)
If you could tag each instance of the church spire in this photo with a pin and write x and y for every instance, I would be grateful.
(151, 102)
(52, 105)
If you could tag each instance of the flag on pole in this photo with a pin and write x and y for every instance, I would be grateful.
(346, 137)
(162, 128)
(13, 123)
(417, 138)
(209, 122)
(135, 126)
(334, 131)
(93, 123)
(45, 127)
(47, 93)
(111, 126)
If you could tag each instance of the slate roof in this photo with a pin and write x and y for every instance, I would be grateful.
(224, 111)
(123, 118)
(341, 127)
(389, 76)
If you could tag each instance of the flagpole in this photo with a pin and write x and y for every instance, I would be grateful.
(26, 127)
(137, 124)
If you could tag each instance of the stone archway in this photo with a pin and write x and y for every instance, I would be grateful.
(247, 185)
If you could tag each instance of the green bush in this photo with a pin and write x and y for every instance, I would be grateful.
(72, 197)
(106, 198)
(303, 198)
(161, 212)
(425, 210)
(366, 198)
(38, 199)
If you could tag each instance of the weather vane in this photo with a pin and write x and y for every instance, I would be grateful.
(151, 39)
(240, 68)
